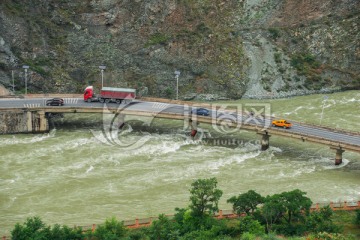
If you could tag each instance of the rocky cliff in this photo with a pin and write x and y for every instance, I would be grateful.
(223, 48)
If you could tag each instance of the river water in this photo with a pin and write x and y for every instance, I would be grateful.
(75, 176)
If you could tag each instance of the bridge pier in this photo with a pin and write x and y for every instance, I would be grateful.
(264, 140)
(193, 126)
(338, 154)
(120, 121)
(36, 122)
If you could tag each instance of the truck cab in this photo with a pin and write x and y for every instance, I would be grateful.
(88, 94)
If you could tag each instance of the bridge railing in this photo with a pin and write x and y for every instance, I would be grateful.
(209, 105)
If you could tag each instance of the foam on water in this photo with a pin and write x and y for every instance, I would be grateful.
(15, 139)
(328, 163)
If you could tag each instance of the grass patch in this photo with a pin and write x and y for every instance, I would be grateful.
(157, 38)
(347, 220)
(274, 32)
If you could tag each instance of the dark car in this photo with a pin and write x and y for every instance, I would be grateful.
(201, 111)
(55, 102)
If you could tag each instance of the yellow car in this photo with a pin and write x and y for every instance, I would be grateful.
(281, 123)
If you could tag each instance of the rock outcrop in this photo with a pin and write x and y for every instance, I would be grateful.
(228, 49)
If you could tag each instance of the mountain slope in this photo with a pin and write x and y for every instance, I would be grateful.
(227, 48)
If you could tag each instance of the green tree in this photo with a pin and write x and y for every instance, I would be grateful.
(289, 206)
(246, 202)
(111, 230)
(204, 197)
(296, 205)
(188, 222)
(272, 210)
(163, 228)
(64, 232)
(35, 228)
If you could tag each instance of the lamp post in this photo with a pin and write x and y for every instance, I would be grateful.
(26, 68)
(177, 74)
(102, 68)
(13, 83)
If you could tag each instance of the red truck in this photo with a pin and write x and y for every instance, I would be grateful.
(110, 94)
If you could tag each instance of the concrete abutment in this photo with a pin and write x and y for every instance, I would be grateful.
(23, 121)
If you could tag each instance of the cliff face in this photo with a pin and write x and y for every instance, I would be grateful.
(248, 48)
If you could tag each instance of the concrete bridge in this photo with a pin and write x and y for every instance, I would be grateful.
(31, 116)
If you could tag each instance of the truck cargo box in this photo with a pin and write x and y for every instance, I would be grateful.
(117, 93)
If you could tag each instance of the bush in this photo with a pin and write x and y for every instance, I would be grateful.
(138, 234)
(275, 33)
(204, 235)
(249, 225)
(321, 221)
(330, 236)
(111, 230)
(248, 236)
(270, 236)
(290, 229)
(157, 38)
(187, 221)
(163, 228)
(34, 228)
(357, 217)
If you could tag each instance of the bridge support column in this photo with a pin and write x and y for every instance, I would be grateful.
(29, 121)
(120, 121)
(264, 140)
(338, 155)
(43, 122)
(193, 126)
(36, 122)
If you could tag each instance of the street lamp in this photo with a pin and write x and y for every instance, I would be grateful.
(13, 83)
(26, 68)
(177, 74)
(102, 68)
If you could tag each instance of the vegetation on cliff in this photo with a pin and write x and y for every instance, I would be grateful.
(231, 49)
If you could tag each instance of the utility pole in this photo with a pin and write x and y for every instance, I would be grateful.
(177, 74)
(102, 68)
(26, 67)
(12, 77)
